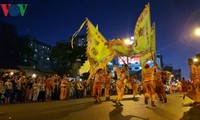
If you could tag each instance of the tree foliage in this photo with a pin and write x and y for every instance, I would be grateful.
(14, 50)
(66, 60)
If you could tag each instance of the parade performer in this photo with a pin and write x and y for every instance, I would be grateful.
(134, 86)
(107, 85)
(184, 87)
(196, 81)
(160, 88)
(122, 77)
(98, 81)
(149, 84)
(193, 91)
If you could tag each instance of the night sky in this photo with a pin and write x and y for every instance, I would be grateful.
(56, 20)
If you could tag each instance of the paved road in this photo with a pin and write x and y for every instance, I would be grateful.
(86, 109)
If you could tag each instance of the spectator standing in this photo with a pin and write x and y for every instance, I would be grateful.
(63, 88)
(48, 83)
(36, 90)
(2, 92)
(9, 91)
(42, 92)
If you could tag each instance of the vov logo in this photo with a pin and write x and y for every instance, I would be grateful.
(14, 9)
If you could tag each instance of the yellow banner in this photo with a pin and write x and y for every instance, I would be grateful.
(85, 68)
(142, 32)
(153, 41)
(150, 54)
(98, 51)
(145, 58)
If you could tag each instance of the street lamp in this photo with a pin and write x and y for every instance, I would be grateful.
(195, 59)
(197, 32)
(129, 41)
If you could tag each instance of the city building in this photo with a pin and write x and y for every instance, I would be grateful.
(41, 55)
(177, 74)
(159, 60)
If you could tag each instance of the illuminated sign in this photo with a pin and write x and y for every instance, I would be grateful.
(125, 59)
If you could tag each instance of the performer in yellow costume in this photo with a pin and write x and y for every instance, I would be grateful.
(134, 86)
(149, 84)
(107, 85)
(122, 77)
(160, 88)
(98, 81)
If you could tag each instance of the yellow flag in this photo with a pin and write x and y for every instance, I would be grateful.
(85, 68)
(98, 51)
(153, 42)
(151, 53)
(97, 48)
(144, 58)
(142, 32)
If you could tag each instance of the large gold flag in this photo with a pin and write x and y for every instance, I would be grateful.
(153, 42)
(144, 58)
(142, 32)
(98, 52)
(150, 54)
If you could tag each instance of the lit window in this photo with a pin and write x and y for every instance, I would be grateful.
(47, 58)
(36, 50)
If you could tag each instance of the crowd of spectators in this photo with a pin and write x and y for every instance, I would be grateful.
(24, 89)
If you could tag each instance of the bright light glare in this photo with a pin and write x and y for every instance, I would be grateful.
(11, 73)
(128, 41)
(132, 37)
(197, 31)
(195, 59)
(34, 76)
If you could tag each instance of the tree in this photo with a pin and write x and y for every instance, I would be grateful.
(60, 55)
(14, 50)
(77, 59)
(66, 60)
(8, 41)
